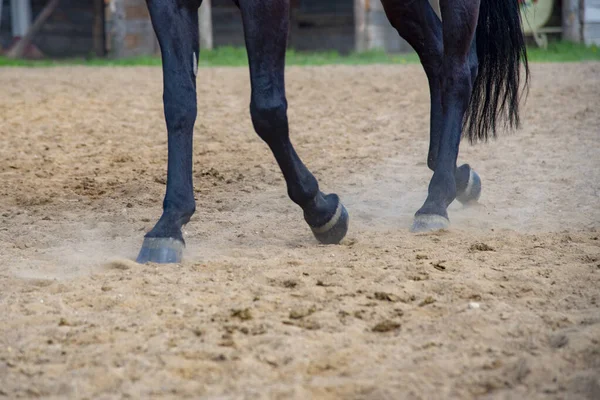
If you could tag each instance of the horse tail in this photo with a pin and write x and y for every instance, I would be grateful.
(501, 49)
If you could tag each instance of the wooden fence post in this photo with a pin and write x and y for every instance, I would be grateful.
(205, 22)
(361, 40)
(20, 11)
(118, 28)
(373, 31)
(571, 20)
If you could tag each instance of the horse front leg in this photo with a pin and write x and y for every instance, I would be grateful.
(176, 26)
(266, 27)
(455, 85)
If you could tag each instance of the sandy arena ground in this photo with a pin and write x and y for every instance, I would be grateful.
(505, 305)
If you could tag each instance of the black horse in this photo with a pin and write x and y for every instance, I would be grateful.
(472, 58)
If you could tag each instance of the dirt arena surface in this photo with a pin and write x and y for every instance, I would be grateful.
(505, 305)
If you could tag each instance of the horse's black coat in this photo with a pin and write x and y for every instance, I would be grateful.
(473, 83)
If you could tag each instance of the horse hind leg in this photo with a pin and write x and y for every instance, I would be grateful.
(266, 27)
(468, 182)
(459, 24)
(420, 26)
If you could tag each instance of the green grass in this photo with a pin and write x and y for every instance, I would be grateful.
(564, 52)
(235, 57)
(230, 57)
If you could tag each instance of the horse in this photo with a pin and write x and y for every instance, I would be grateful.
(472, 57)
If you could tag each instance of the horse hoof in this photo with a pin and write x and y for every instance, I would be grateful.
(429, 223)
(335, 230)
(472, 192)
(161, 251)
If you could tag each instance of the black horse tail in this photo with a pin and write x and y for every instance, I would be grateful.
(501, 49)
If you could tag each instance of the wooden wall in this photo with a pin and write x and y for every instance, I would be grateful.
(322, 25)
(227, 24)
(315, 25)
(68, 32)
(123, 27)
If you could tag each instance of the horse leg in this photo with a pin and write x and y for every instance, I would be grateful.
(420, 26)
(468, 182)
(176, 26)
(266, 27)
(455, 77)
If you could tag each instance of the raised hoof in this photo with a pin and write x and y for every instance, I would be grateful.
(335, 230)
(429, 223)
(161, 251)
(472, 192)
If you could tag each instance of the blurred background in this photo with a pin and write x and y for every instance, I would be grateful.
(122, 28)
